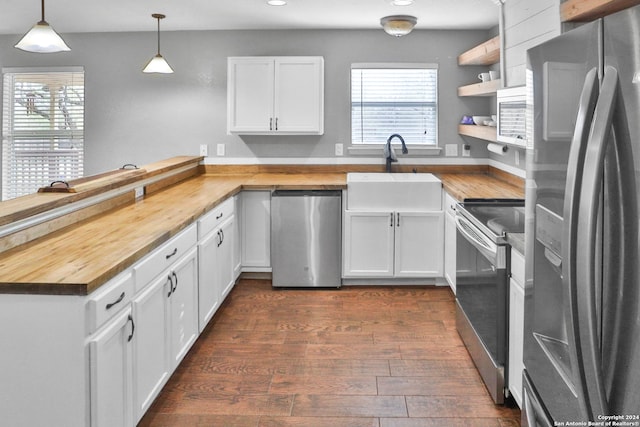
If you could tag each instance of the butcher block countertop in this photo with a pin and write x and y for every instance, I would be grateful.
(78, 259)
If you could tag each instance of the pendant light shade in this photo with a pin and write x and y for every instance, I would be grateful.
(158, 64)
(398, 25)
(42, 38)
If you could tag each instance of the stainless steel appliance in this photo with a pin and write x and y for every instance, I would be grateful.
(582, 305)
(482, 280)
(306, 238)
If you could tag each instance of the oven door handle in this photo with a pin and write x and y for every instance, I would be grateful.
(469, 232)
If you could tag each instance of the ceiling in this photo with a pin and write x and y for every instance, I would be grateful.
(77, 16)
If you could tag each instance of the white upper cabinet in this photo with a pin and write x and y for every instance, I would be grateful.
(275, 95)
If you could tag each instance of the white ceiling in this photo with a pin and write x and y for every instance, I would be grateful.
(73, 16)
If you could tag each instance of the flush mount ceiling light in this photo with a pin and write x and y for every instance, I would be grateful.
(402, 2)
(158, 64)
(42, 38)
(398, 25)
(276, 2)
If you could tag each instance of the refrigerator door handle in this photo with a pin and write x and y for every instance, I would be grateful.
(533, 413)
(585, 325)
(579, 142)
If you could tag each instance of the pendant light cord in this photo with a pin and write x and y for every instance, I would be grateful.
(42, 9)
(158, 34)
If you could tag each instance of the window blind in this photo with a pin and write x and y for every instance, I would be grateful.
(43, 129)
(385, 101)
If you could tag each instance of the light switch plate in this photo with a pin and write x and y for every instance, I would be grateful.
(339, 149)
(220, 149)
(204, 150)
(451, 150)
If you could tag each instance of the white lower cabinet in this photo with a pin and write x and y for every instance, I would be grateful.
(419, 244)
(256, 231)
(111, 366)
(516, 326)
(151, 343)
(225, 261)
(369, 239)
(393, 244)
(450, 236)
(165, 315)
(237, 247)
(217, 259)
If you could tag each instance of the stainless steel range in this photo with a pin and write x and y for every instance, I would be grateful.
(482, 278)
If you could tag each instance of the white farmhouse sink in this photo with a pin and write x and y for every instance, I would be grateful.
(394, 191)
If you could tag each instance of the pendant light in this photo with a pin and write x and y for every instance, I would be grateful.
(158, 64)
(42, 38)
(398, 25)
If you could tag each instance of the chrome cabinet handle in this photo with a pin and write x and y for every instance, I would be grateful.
(220, 216)
(111, 304)
(276, 123)
(221, 234)
(391, 222)
(271, 123)
(398, 220)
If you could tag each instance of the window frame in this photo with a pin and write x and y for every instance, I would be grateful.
(12, 136)
(369, 147)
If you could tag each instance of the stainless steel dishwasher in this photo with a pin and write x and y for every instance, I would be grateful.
(306, 238)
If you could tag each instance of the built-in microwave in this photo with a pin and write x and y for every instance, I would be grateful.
(511, 109)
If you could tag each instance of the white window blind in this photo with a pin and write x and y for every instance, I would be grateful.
(392, 100)
(43, 129)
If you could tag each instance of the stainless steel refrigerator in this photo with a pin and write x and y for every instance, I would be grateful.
(582, 304)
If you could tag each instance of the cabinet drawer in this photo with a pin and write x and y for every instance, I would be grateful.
(109, 299)
(517, 267)
(209, 221)
(162, 258)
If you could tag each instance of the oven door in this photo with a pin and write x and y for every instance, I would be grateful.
(481, 318)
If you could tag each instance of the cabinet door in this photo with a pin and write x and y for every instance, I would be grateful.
(368, 244)
(256, 230)
(450, 251)
(299, 95)
(183, 307)
(250, 94)
(516, 339)
(111, 373)
(419, 244)
(237, 246)
(151, 343)
(208, 283)
(225, 257)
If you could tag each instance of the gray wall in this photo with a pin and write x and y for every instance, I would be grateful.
(136, 118)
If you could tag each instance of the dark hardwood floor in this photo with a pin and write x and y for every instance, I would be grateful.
(357, 356)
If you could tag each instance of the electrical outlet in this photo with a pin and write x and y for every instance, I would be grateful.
(339, 150)
(451, 150)
(220, 149)
(466, 150)
(139, 192)
(204, 150)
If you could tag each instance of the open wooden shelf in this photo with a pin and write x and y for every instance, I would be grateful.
(482, 132)
(588, 10)
(480, 89)
(487, 53)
